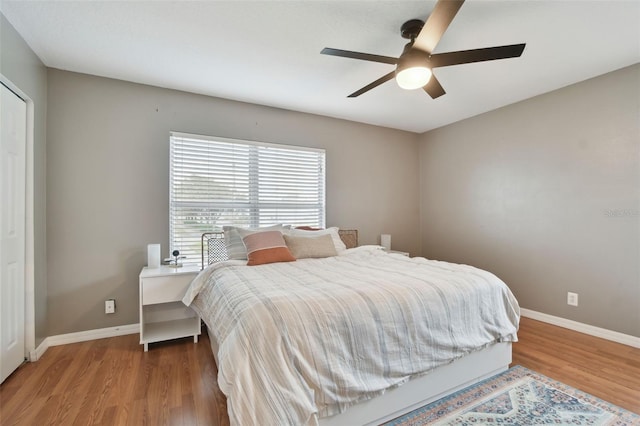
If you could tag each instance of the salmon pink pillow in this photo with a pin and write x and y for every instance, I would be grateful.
(266, 247)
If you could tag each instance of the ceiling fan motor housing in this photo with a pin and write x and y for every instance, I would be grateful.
(412, 58)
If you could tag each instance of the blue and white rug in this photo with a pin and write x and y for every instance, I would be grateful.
(518, 397)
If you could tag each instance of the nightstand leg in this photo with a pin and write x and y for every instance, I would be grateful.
(146, 347)
(195, 338)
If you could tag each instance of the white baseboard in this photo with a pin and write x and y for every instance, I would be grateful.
(82, 336)
(591, 330)
(35, 354)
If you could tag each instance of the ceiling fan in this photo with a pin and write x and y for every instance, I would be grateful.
(415, 64)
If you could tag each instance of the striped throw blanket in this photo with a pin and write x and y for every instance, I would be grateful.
(307, 339)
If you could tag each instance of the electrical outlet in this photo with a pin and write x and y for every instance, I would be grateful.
(110, 306)
(572, 299)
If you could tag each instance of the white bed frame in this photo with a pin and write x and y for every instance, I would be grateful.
(420, 391)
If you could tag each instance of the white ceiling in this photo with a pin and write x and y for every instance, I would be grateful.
(268, 52)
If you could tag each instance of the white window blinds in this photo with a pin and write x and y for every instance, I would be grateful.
(216, 182)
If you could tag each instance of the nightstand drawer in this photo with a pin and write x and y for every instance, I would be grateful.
(165, 289)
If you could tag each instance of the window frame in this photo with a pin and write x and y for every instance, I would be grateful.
(255, 206)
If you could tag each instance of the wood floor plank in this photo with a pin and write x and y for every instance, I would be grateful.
(114, 382)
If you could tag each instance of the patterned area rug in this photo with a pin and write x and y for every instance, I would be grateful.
(518, 397)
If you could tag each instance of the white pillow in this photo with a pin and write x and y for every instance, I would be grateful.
(233, 240)
(333, 231)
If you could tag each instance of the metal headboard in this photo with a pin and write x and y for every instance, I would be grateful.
(349, 237)
(213, 248)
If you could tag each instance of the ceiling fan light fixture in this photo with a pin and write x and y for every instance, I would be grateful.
(413, 70)
(413, 78)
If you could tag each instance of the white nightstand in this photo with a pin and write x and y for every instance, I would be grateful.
(163, 316)
(404, 253)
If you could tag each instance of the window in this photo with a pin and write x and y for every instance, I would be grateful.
(216, 182)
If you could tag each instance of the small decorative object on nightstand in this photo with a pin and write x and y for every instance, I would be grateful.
(163, 316)
(174, 263)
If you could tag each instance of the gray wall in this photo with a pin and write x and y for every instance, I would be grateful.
(22, 68)
(107, 182)
(545, 193)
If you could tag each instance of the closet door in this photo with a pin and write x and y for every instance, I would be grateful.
(13, 126)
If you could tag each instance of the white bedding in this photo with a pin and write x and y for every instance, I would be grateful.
(307, 339)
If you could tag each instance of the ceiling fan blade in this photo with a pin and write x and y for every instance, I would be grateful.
(437, 23)
(433, 87)
(476, 55)
(375, 84)
(358, 55)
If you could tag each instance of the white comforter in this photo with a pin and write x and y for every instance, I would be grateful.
(307, 339)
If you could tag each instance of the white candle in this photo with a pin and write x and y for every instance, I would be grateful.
(385, 241)
(153, 255)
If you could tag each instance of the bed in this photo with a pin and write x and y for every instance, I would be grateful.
(357, 338)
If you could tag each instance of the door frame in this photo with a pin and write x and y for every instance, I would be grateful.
(29, 260)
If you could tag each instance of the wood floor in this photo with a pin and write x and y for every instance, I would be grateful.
(605, 369)
(113, 382)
